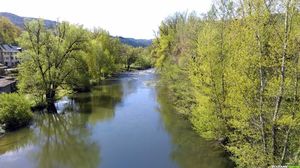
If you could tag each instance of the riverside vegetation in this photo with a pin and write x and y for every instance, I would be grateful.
(57, 61)
(14, 111)
(233, 72)
(69, 57)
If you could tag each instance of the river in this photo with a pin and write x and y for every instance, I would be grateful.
(127, 122)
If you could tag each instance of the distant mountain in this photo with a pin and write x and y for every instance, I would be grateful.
(19, 20)
(135, 42)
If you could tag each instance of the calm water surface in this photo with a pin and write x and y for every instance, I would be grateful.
(124, 123)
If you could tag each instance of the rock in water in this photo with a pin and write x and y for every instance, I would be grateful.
(2, 131)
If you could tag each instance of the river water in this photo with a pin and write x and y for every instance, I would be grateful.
(127, 122)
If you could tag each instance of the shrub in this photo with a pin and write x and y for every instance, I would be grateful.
(14, 111)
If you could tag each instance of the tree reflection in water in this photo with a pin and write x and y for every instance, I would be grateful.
(16, 140)
(64, 141)
(64, 138)
(100, 103)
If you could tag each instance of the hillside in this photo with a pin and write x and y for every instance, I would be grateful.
(19, 20)
(135, 42)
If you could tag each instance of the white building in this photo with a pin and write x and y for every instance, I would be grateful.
(8, 55)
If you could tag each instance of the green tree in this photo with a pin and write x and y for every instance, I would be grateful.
(130, 55)
(173, 49)
(8, 31)
(238, 81)
(144, 59)
(50, 57)
(260, 71)
(208, 74)
(104, 55)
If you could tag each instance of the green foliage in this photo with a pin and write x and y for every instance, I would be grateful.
(242, 75)
(8, 31)
(14, 111)
(144, 59)
(130, 55)
(51, 58)
(69, 57)
(79, 80)
(173, 50)
(103, 56)
(181, 93)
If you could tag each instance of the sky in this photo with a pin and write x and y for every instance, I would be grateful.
(127, 18)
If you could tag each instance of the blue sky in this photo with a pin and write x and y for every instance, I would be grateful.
(128, 18)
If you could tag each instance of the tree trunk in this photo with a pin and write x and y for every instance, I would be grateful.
(282, 80)
(51, 108)
(285, 146)
(261, 114)
(128, 67)
(261, 91)
(50, 100)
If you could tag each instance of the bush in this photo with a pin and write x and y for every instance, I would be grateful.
(14, 111)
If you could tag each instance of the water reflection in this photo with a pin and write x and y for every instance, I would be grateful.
(100, 103)
(53, 141)
(189, 150)
(16, 140)
(65, 138)
(64, 141)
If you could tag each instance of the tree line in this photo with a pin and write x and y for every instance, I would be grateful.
(67, 58)
(234, 73)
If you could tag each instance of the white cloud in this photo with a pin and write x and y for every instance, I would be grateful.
(128, 18)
